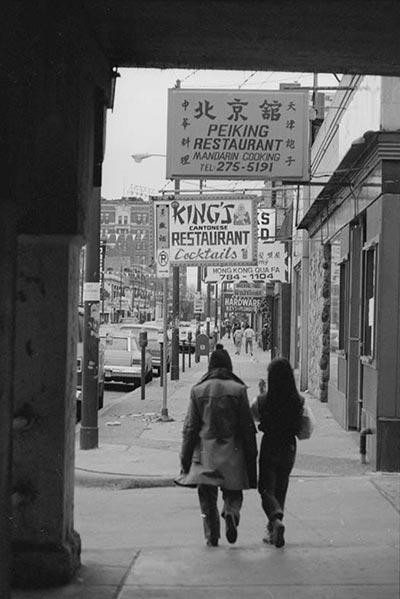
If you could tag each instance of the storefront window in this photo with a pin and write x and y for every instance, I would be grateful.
(339, 307)
(343, 304)
(369, 267)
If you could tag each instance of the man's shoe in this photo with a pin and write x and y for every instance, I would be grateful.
(278, 532)
(212, 542)
(231, 528)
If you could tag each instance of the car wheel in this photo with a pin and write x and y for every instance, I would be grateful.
(101, 396)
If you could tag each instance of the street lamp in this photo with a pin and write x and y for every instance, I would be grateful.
(141, 157)
(175, 288)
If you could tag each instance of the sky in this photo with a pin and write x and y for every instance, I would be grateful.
(138, 123)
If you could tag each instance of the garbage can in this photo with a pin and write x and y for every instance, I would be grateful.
(202, 346)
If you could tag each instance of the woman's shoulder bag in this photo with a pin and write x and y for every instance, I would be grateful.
(307, 423)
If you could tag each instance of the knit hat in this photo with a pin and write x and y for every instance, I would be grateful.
(220, 359)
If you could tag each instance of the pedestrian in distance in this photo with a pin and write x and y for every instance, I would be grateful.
(278, 409)
(248, 339)
(237, 339)
(265, 337)
(219, 448)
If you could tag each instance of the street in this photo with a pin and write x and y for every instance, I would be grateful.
(114, 391)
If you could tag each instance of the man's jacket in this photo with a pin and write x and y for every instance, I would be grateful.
(219, 436)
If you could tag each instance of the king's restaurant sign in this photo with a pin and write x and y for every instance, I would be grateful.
(206, 231)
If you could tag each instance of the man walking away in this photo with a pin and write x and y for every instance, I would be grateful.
(248, 339)
(219, 446)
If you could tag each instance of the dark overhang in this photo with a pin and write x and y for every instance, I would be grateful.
(344, 176)
(292, 35)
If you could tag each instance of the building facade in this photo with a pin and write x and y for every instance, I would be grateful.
(348, 254)
(126, 226)
(129, 283)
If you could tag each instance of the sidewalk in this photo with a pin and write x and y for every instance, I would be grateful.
(342, 520)
(138, 449)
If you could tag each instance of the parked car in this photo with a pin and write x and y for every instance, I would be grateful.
(154, 336)
(79, 365)
(123, 359)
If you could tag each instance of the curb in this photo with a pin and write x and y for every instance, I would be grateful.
(92, 479)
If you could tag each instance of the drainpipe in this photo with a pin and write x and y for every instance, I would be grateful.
(363, 443)
(305, 300)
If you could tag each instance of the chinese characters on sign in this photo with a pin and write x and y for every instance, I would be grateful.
(216, 134)
(204, 231)
(162, 241)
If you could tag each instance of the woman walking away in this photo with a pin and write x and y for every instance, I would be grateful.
(219, 446)
(278, 411)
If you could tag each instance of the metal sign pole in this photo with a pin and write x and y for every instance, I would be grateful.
(164, 409)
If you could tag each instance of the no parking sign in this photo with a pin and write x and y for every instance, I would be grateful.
(163, 263)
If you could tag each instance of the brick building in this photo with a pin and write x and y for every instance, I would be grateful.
(126, 225)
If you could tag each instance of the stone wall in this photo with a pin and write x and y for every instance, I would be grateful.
(319, 321)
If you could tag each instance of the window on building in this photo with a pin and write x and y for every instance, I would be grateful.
(335, 297)
(369, 292)
(120, 220)
(343, 304)
(125, 220)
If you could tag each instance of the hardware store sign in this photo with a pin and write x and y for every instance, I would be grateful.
(233, 302)
(219, 134)
(205, 231)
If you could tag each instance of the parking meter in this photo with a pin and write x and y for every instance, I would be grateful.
(160, 338)
(190, 336)
(143, 339)
(183, 354)
(143, 345)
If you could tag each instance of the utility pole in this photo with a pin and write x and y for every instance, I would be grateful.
(175, 302)
(102, 262)
(216, 306)
(199, 268)
(175, 313)
(208, 308)
(89, 432)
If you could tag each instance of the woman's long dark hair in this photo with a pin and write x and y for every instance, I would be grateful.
(281, 407)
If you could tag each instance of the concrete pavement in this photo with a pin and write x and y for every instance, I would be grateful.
(142, 537)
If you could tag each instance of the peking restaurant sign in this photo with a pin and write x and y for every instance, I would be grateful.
(212, 230)
(238, 134)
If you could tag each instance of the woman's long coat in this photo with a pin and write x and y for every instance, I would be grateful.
(219, 437)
